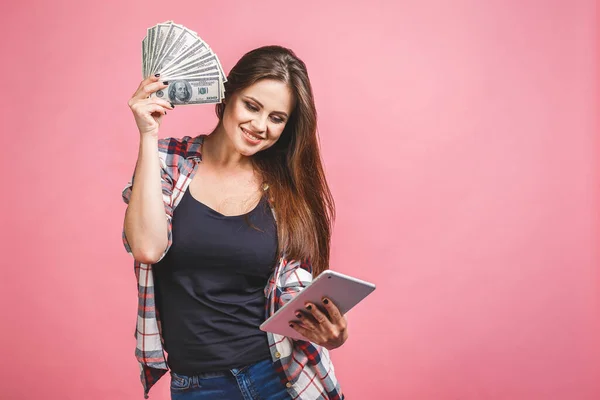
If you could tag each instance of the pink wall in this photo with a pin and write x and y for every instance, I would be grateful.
(460, 143)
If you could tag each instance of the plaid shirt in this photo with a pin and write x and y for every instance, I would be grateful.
(303, 367)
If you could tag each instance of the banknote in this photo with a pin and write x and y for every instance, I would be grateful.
(198, 49)
(144, 54)
(164, 54)
(201, 63)
(180, 45)
(150, 43)
(187, 62)
(159, 39)
(192, 91)
(198, 73)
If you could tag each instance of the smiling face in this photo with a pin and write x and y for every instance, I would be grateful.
(254, 117)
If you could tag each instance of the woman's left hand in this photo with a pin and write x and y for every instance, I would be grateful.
(325, 327)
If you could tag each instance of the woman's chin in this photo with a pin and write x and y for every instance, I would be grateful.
(245, 150)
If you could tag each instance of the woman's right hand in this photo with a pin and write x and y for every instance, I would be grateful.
(148, 111)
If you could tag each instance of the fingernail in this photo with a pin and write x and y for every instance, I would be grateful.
(325, 301)
(172, 105)
(165, 113)
(299, 315)
(308, 307)
(157, 75)
(165, 82)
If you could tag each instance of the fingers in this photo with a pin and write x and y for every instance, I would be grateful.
(306, 320)
(324, 326)
(161, 102)
(145, 82)
(319, 317)
(155, 109)
(148, 111)
(148, 80)
(152, 105)
(147, 87)
(334, 313)
(301, 330)
(145, 91)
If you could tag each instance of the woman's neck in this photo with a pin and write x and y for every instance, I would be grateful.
(217, 150)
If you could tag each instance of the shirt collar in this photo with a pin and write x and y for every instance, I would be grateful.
(194, 148)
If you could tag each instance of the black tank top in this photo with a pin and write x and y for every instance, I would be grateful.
(210, 287)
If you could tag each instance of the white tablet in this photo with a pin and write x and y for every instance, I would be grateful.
(345, 292)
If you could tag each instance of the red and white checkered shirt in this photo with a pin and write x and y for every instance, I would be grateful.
(304, 367)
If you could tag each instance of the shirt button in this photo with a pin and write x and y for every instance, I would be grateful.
(289, 384)
(277, 355)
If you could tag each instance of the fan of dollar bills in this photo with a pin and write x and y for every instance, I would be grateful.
(186, 62)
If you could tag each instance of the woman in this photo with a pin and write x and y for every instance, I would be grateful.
(219, 263)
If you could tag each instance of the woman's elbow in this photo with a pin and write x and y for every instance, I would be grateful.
(147, 254)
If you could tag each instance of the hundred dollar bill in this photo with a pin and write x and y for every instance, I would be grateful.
(192, 91)
(168, 39)
(199, 73)
(180, 45)
(151, 35)
(161, 31)
(196, 50)
(163, 55)
(203, 60)
(199, 61)
(179, 54)
(214, 74)
(144, 54)
(202, 73)
(152, 44)
(223, 76)
(148, 55)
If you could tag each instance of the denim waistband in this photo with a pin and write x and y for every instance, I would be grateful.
(216, 374)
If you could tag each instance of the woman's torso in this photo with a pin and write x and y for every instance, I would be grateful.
(210, 285)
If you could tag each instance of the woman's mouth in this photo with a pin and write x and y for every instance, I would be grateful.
(251, 137)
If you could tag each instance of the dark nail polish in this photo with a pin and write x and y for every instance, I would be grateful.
(165, 113)
(157, 75)
(325, 301)
(309, 307)
(165, 82)
(299, 315)
(172, 105)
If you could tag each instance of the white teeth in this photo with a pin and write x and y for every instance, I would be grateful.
(252, 135)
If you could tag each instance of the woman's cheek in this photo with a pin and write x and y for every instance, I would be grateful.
(275, 134)
(238, 111)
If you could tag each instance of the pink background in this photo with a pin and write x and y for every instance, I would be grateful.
(461, 146)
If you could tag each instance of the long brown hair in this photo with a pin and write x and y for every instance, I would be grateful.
(292, 167)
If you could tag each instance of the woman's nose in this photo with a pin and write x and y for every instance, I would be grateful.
(259, 124)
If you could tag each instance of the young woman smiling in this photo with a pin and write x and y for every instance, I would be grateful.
(224, 229)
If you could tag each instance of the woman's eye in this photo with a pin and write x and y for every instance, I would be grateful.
(250, 107)
(277, 120)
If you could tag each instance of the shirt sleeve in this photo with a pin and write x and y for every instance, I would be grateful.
(295, 276)
(168, 184)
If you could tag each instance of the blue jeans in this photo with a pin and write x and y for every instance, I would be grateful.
(252, 382)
